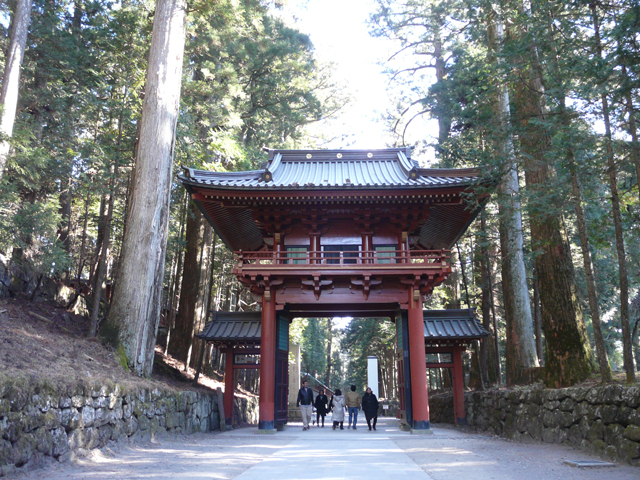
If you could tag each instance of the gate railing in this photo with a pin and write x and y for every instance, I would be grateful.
(333, 259)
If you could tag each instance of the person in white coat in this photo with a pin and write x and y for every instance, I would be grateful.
(337, 406)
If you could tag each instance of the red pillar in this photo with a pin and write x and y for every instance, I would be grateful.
(458, 387)
(403, 248)
(418, 363)
(314, 247)
(228, 386)
(267, 362)
(367, 247)
(277, 248)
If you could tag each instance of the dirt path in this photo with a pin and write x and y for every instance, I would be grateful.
(322, 453)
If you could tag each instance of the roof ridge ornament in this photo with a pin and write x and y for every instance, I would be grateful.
(272, 166)
(407, 165)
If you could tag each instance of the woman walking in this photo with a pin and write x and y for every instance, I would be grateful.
(337, 407)
(370, 408)
(321, 407)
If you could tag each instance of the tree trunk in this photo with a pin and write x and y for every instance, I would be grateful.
(627, 353)
(327, 377)
(568, 358)
(488, 358)
(443, 109)
(102, 262)
(183, 329)
(633, 130)
(212, 271)
(603, 360)
(102, 220)
(521, 349)
(64, 230)
(537, 319)
(135, 311)
(173, 297)
(463, 273)
(83, 243)
(11, 77)
(200, 314)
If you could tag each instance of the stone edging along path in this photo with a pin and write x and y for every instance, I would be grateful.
(40, 420)
(600, 420)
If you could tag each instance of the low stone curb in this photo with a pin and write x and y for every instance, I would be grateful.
(600, 420)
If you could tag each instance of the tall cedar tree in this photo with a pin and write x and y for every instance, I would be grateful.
(568, 352)
(11, 77)
(521, 349)
(135, 310)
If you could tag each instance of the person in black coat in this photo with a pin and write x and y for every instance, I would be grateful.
(321, 407)
(305, 402)
(370, 407)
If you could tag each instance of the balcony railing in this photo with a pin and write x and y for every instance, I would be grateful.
(332, 259)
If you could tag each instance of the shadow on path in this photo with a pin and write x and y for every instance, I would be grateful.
(322, 453)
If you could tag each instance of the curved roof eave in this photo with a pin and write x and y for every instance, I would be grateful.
(307, 187)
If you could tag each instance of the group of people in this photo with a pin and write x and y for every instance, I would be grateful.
(352, 403)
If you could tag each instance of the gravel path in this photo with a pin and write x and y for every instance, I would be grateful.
(448, 454)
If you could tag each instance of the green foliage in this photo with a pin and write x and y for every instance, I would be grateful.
(312, 337)
(250, 80)
(366, 337)
(30, 229)
(444, 71)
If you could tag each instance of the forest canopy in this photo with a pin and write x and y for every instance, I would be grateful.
(541, 96)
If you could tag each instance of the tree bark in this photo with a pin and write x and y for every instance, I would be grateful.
(200, 314)
(488, 358)
(568, 358)
(102, 262)
(64, 229)
(521, 349)
(633, 130)
(603, 360)
(443, 110)
(135, 311)
(173, 297)
(612, 169)
(11, 78)
(537, 319)
(101, 269)
(102, 220)
(327, 377)
(185, 318)
(83, 243)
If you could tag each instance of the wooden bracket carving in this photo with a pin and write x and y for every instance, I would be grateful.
(366, 283)
(317, 285)
(263, 286)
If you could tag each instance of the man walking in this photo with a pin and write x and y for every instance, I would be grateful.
(353, 404)
(305, 402)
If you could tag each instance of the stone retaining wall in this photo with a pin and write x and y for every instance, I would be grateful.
(601, 420)
(40, 421)
(245, 410)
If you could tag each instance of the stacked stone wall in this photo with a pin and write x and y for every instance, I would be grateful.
(245, 410)
(40, 420)
(601, 420)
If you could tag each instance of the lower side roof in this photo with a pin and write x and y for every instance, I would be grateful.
(244, 328)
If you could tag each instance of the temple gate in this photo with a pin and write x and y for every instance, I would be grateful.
(320, 233)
